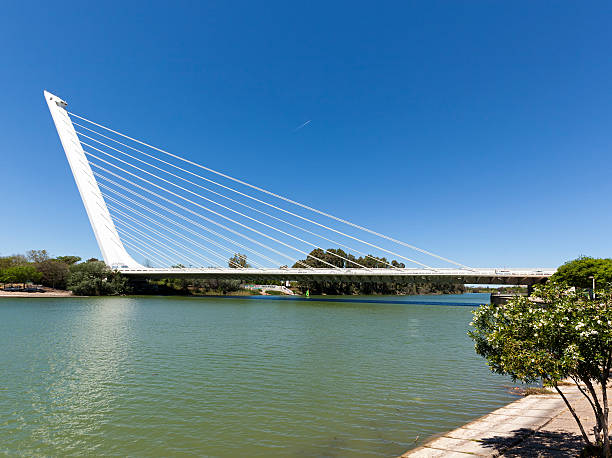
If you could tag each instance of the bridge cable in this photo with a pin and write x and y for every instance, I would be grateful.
(195, 213)
(146, 256)
(143, 234)
(220, 205)
(160, 234)
(204, 207)
(168, 261)
(195, 223)
(106, 196)
(275, 195)
(225, 217)
(259, 201)
(234, 200)
(136, 221)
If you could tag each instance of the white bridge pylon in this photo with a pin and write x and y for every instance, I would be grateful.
(157, 214)
(113, 251)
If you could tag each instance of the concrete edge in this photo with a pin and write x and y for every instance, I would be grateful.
(494, 423)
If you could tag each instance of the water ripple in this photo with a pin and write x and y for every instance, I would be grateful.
(223, 377)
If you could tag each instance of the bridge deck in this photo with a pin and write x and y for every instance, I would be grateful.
(473, 276)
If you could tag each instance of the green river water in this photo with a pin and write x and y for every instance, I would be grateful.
(152, 376)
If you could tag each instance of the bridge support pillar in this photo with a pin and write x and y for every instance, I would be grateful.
(529, 290)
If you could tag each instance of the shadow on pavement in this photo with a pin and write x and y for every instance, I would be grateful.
(529, 443)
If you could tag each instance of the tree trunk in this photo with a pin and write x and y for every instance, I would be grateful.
(573, 412)
(597, 427)
(604, 420)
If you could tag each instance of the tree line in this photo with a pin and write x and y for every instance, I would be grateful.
(93, 277)
(337, 257)
(319, 258)
(89, 278)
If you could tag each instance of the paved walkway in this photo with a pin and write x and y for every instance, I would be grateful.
(533, 426)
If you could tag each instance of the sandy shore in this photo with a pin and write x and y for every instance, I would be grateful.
(49, 293)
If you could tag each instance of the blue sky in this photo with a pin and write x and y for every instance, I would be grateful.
(480, 130)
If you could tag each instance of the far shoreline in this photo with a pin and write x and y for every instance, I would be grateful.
(371, 298)
(54, 293)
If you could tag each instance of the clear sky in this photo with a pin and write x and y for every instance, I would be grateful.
(480, 130)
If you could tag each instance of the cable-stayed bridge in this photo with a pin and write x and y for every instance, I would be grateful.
(157, 214)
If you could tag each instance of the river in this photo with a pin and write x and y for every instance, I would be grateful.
(153, 376)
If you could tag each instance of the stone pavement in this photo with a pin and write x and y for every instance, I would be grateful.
(533, 426)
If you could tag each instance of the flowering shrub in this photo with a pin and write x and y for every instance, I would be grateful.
(555, 334)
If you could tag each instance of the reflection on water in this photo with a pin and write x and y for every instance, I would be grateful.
(228, 377)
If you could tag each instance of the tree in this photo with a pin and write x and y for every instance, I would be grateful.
(238, 261)
(337, 257)
(373, 262)
(320, 258)
(69, 259)
(54, 273)
(216, 285)
(14, 260)
(37, 256)
(556, 334)
(20, 274)
(7, 276)
(94, 278)
(577, 272)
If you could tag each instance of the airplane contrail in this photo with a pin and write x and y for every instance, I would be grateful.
(302, 125)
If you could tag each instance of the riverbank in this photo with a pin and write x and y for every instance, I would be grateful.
(46, 293)
(537, 425)
(467, 299)
(49, 292)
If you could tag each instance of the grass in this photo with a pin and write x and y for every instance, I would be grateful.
(534, 390)
(529, 391)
